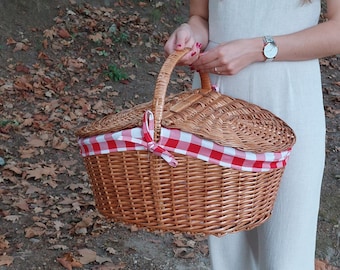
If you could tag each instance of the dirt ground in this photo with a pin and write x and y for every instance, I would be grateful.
(64, 64)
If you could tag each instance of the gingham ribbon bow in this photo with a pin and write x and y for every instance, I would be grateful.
(148, 140)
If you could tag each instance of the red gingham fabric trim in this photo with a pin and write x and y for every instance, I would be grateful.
(177, 141)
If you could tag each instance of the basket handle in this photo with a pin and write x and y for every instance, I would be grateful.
(162, 84)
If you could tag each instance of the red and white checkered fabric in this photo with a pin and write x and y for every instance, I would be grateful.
(177, 141)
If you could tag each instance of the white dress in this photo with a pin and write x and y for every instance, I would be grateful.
(292, 91)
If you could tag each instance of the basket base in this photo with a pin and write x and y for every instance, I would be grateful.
(195, 197)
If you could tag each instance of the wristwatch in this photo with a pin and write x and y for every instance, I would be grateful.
(270, 48)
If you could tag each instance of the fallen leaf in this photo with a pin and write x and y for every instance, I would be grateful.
(102, 260)
(43, 56)
(60, 247)
(23, 83)
(45, 43)
(27, 153)
(58, 225)
(87, 256)
(39, 172)
(10, 41)
(27, 122)
(12, 218)
(22, 68)
(96, 37)
(321, 265)
(14, 169)
(33, 189)
(68, 261)
(63, 33)
(4, 244)
(50, 33)
(111, 266)
(59, 143)
(20, 46)
(22, 204)
(36, 143)
(31, 232)
(6, 260)
(111, 250)
(184, 253)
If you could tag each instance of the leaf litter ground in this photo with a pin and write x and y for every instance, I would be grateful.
(66, 65)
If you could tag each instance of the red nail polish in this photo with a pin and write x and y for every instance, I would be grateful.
(179, 45)
(193, 53)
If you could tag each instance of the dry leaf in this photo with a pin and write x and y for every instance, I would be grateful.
(63, 33)
(39, 172)
(6, 260)
(10, 41)
(4, 244)
(12, 218)
(321, 265)
(58, 225)
(27, 122)
(14, 169)
(111, 250)
(87, 256)
(22, 204)
(36, 143)
(102, 260)
(111, 266)
(44, 56)
(20, 46)
(22, 68)
(184, 253)
(31, 232)
(59, 143)
(96, 37)
(36, 173)
(74, 64)
(33, 189)
(68, 261)
(81, 227)
(27, 153)
(23, 83)
(50, 33)
(60, 247)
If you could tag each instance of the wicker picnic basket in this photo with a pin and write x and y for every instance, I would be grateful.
(196, 162)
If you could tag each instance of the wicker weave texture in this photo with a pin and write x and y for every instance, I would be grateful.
(194, 197)
(139, 188)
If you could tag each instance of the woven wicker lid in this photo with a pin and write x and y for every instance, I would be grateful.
(204, 112)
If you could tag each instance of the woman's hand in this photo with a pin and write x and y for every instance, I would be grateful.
(229, 58)
(183, 37)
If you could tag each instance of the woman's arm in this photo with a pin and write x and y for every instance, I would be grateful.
(199, 16)
(316, 42)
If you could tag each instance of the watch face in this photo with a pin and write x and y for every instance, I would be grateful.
(270, 50)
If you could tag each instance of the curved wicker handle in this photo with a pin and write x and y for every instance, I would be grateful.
(162, 84)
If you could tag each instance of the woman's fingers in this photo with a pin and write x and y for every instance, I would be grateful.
(180, 39)
(208, 62)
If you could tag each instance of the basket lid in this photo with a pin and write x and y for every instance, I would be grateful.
(206, 113)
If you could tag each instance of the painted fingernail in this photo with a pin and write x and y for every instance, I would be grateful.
(215, 88)
(198, 45)
(193, 53)
(179, 45)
